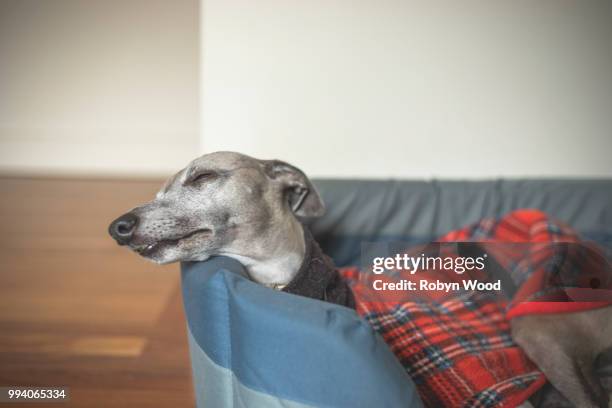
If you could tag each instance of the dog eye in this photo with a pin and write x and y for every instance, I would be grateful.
(202, 177)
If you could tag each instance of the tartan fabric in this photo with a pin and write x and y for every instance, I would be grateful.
(457, 348)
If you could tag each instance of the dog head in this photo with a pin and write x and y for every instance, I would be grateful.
(221, 203)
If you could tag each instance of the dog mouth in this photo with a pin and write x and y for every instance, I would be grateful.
(151, 248)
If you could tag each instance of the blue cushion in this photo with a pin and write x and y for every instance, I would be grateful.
(256, 347)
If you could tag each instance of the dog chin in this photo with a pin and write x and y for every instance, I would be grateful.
(167, 254)
(163, 257)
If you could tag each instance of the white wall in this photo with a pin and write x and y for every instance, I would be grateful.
(412, 88)
(98, 86)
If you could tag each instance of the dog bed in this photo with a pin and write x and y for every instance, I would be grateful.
(302, 352)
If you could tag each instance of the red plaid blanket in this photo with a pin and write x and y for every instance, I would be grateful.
(457, 348)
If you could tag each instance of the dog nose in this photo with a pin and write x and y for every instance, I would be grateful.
(122, 229)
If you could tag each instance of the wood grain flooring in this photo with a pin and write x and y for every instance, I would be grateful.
(77, 310)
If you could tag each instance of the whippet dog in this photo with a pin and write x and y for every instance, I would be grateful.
(231, 204)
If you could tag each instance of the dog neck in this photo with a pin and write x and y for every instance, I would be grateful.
(297, 266)
(292, 261)
(278, 260)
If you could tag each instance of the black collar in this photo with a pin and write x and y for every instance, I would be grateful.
(318, 278)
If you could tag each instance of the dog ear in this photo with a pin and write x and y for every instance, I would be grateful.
(301, 195)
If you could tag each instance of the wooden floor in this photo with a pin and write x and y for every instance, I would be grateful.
(77, 310)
